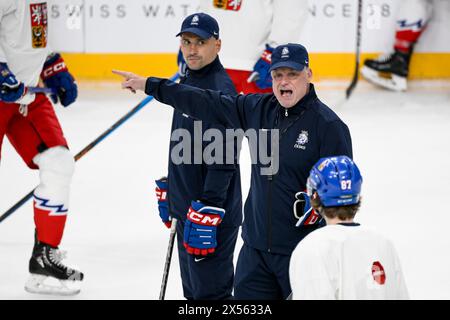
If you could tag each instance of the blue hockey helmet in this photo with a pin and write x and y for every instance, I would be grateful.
(337, 180)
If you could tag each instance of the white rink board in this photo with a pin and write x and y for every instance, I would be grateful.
(149, 26)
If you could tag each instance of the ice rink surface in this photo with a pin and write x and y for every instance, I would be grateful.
(401, 142)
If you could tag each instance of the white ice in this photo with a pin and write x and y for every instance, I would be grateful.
(401, 143)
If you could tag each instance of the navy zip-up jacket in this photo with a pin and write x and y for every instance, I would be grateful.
(308, 131)
(216, 184)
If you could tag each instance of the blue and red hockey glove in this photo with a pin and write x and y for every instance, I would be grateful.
(200, 228)
(11, 89)
(163, 207)
(261, 74)
(182, 65)
(304, 212)
(56, 76)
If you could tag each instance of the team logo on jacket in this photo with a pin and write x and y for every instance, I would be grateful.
(38, 15)
(301, 140)
(233, 5)
(378, 273)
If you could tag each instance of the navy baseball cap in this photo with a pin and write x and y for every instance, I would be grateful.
(201, 24)
(291, 55)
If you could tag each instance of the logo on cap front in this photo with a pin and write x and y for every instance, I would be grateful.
(195, 20)
(285, 52)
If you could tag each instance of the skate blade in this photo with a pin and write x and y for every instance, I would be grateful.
(388, 81)
(40, 284)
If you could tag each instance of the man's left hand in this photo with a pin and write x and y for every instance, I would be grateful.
(200, 228)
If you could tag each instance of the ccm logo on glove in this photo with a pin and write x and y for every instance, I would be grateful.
(53, 69)
(207, 220)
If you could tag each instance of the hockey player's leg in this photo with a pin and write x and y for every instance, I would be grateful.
(391, 70)
(39, 140)
(411, 22)
(51, 199)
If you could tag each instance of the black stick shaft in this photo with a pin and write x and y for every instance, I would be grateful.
(173, 233)
(354, 82)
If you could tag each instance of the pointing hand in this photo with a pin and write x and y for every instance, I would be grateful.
(131, 81)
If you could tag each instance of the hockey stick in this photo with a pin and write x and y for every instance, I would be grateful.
(173, 233)
(32, 90)
(90, 146)
(352, 85)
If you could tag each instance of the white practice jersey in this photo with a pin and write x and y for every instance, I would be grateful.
(247, 25)
(348, 262)
(23, 39)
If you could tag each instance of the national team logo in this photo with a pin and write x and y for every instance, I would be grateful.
(195, 20)
(285, 52)
(38, 15)
(233, 5)
(301, 140)
(378, 273)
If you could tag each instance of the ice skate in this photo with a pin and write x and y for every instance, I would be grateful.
(49, 275)
(388, 71)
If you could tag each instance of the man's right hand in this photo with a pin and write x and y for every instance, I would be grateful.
(11, 89)
(161, 195)
(131, 81)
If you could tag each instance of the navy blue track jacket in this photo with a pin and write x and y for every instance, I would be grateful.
(308, 131)
(216, 184)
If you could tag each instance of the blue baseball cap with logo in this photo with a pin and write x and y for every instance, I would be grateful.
(291, 55)
(201, 24)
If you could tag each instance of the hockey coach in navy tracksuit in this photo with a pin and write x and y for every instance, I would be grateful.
(206, 263)
(276, 214)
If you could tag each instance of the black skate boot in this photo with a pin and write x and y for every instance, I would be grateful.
(389, 71)
(45, 267)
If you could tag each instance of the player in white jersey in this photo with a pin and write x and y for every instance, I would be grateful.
(391, 70)
(250, 30)
(31, 125)
(343, 260)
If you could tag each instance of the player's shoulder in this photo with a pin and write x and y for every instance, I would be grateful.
(321, 237)
(367, 234)
(337, 233)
